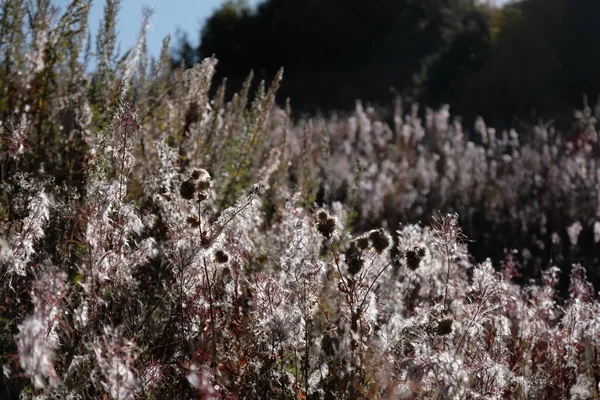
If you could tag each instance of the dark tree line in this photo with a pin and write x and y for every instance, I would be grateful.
(530, 58)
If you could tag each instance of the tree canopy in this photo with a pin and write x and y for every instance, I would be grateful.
(528, 58)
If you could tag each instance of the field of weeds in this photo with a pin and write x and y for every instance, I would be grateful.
(160, 242)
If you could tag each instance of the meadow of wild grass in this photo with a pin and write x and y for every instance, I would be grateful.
(159, 242)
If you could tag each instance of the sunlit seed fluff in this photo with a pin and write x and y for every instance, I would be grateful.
(4, 248)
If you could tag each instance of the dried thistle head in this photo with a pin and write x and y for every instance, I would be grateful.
(187, 189)
(202, 177)
(221, 257)
(197, 185)
(362, 242)
(194, 221)
(322, 215)
(326, 224)
(380, 240)
(200, 174)
(353, 259)
(413, 257)
(202, 196)
(445, 324)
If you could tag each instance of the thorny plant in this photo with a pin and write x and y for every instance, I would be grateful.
(160, 243)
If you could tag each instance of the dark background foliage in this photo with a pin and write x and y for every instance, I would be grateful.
(532, 58)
